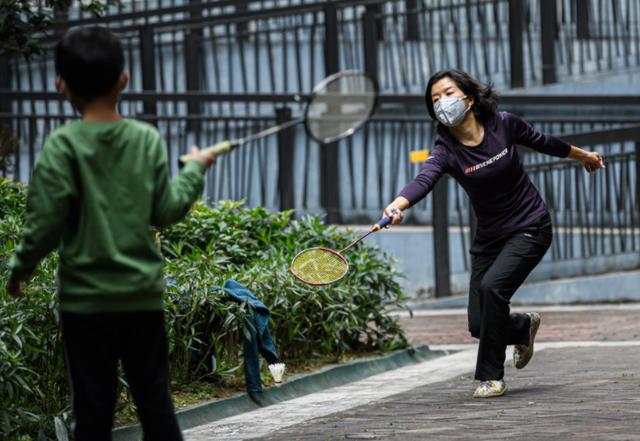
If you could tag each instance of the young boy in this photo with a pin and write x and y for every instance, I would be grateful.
(99, 185)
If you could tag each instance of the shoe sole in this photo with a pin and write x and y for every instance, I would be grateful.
(533, 330)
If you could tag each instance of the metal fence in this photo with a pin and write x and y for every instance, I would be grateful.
(594, 216)
(506, 42)
(145, 11)
(352, 185)
(274, 47)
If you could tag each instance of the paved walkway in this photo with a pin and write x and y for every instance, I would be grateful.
(582, 390)
(338, 399)
(561, 323)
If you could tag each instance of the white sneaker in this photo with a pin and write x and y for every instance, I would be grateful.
(522, 353)
(490, 388)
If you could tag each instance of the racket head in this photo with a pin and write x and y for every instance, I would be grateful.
(319, 266)
(339, 105)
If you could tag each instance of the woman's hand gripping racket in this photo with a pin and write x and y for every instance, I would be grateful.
(322, 266)
(337, 107)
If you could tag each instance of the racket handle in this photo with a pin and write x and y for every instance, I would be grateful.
(219, 149)
(384, 221)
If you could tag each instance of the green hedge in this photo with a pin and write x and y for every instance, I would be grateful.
(210, 245)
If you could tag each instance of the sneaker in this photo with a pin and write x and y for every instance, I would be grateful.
(522, 353)
(490, 388)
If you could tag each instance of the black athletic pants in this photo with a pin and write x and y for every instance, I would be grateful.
(93, 344)
(499, 265)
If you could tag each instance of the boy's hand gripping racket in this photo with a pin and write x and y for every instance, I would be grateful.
(338, 106)
(322, 266)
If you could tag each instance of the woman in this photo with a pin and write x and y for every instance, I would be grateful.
(476, 145)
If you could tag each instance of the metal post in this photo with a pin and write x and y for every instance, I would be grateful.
(5, 83)
(548, 23)
(331, 54)
(441, 237)
(582, 19)
(377, 9)
(516, 47)
(329, 172)
(5, 124)
(242, 26)
(285, 160)
(330, 182)
(193, 62)
(370, 31)
(412, 29)
(638, 177)
(148, 68)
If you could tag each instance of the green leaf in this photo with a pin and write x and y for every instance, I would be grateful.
(61, 429)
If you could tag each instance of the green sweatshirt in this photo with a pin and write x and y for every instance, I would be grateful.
(96, 190)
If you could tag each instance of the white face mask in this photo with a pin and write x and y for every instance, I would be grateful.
(450, 110)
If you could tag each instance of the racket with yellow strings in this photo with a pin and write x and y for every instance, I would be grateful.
(322, 266)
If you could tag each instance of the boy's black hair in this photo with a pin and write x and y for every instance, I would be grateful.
(90, 61)
(485, 98)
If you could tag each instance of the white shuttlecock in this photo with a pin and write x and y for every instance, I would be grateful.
(277, 372)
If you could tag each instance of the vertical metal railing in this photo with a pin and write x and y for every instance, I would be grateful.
(511, 43)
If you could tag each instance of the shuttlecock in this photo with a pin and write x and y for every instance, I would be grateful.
(277, 372)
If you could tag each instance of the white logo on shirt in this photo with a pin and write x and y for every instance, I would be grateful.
(489, 161)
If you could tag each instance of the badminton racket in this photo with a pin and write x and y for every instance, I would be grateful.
(323, 266)
(337, 107)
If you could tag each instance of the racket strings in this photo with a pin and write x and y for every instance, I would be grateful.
(340, 106)
(319, 266)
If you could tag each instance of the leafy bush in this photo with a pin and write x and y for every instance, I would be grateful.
(205, 328)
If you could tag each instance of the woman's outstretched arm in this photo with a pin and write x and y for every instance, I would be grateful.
(526, 135)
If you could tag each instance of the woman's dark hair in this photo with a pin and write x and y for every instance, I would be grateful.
(484, 97)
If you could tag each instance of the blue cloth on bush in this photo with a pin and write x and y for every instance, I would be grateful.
(259, 339)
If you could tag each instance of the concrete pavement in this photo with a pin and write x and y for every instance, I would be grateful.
(582, 384)
(566, 394)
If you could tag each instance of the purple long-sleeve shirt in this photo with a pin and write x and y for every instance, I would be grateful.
(503, 197)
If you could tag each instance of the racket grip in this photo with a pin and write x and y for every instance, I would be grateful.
(219, 149)
(385, 221)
